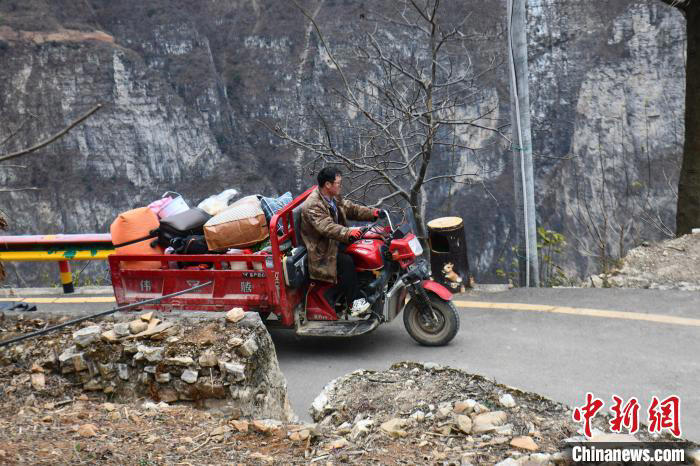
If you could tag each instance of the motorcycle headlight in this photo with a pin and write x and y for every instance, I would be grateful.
(415, 246)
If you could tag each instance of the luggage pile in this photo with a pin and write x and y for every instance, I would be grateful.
(216, 226)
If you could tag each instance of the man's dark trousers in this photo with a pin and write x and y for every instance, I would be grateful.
(347, 276)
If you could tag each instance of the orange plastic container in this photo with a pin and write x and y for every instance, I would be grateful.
(130, 226)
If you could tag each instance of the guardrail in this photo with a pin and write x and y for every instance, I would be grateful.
(59, 248)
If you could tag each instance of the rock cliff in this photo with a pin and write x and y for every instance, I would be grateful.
(185, 85)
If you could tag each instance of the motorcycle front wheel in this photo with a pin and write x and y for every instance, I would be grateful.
(428, 329)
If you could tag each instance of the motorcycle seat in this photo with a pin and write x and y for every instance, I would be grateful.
(295, 267)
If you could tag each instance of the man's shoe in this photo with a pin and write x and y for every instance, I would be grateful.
(359, 307)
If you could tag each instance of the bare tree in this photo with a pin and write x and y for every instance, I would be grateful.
(410, 100)
(28, 150)
(606, 219)
(614, 199)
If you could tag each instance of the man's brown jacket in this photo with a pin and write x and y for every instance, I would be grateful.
(321, 232)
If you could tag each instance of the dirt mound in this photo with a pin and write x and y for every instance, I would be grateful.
(228, 367)
(425, 413)
(668, 265)
(410, 414)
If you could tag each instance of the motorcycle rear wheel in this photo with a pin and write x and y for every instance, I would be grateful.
(428, 331)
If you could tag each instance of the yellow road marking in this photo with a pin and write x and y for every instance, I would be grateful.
(39, 300)
(581, 312)
(91, 299)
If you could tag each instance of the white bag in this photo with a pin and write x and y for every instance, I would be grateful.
(217, 203)
(176, 206)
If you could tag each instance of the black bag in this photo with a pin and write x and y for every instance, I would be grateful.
(195, 244)
(188, 223)
(295, 267)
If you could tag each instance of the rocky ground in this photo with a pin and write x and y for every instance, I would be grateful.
(409, 414)
(667, 265)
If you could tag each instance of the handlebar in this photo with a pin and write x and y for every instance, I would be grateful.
(366, 228)
(387, 217)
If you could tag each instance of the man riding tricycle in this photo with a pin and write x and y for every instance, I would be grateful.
(318, 276)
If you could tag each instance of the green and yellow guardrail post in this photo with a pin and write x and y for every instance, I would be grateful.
(59, 248)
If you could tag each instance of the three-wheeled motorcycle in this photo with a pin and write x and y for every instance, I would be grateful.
(274, 282)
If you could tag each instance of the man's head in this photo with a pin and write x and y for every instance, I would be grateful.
(329, 181)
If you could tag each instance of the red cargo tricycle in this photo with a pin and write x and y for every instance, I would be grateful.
(274, 282)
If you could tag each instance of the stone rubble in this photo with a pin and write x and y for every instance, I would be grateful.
(435, 423)
(667, 265)
(176, 360)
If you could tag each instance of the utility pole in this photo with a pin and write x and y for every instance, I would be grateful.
(526, 221)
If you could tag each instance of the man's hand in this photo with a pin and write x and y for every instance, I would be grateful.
(355, 234)
(377, 213)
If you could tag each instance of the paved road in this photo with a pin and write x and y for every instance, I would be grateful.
(561, 356)
(559, 346)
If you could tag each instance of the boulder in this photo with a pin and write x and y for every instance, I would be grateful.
(235, 315)
(184, 361)
(121, 329)
(86, 336)
(463, 423)
(394, 427)
(137, 326)
(248, 348)
(150, 353)
(487, 422)
(110, 336)
(506, 400)
(233, 370)
(208, 359)
(525, 443)
(465, 407)
(189, 376)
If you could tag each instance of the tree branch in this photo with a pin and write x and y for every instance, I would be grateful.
(53, 138)
(12, 190)
(680, 4)
(452, 177)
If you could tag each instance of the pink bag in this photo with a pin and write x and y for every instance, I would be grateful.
(157, 206)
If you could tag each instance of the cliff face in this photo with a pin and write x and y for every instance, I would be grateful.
(185, 85)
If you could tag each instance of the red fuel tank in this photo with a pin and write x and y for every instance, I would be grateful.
(366, 253)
